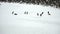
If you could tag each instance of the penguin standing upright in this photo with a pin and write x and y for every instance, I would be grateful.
(25, 12)
(49, 13)
(13, 12)
(37, 14)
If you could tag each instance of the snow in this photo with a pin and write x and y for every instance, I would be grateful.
(28, 23)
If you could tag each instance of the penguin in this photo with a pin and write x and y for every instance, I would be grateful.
(25, 12)
(41, 14)
(37, 14)
(13, 12)
(49, 13)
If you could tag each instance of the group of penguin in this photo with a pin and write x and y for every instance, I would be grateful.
(43, 13)
(14, 13)
(37, 13)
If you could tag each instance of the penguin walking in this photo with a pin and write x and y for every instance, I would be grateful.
(49, 13)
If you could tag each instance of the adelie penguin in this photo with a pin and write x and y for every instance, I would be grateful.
(14, 13)
(41, 13)
(25, 12)
(37, 14)
(48, 13)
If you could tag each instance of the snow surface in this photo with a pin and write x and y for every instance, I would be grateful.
(28, 23)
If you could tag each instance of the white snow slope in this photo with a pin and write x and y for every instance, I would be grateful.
(30, 23)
